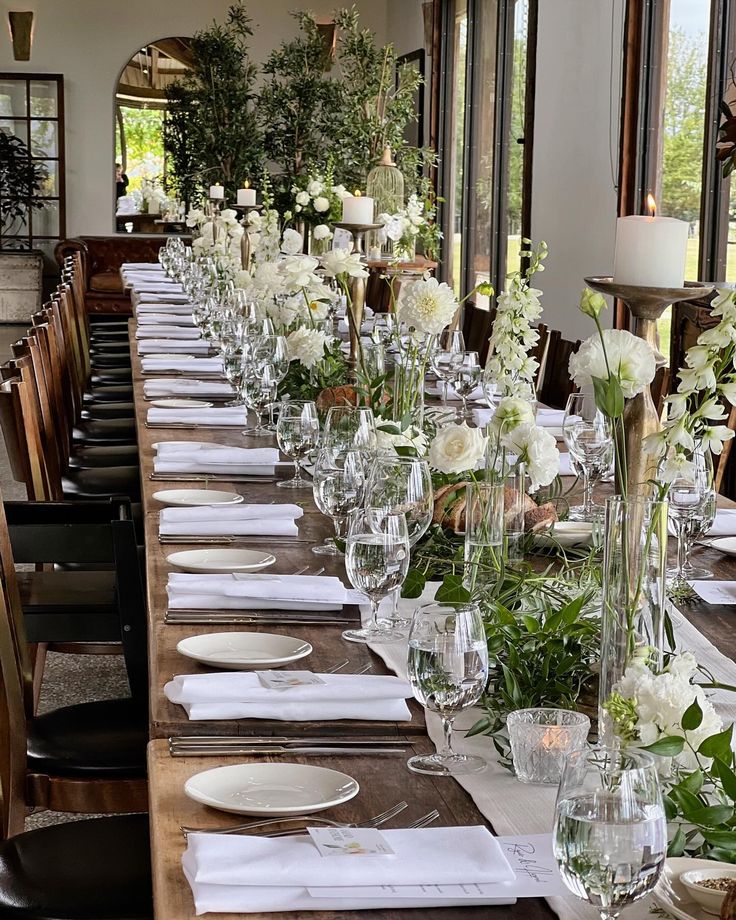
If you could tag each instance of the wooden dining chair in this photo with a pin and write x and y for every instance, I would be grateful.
(477, 326)
(556, 383)
(539, 351)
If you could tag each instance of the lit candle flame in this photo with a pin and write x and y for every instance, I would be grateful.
(357, 193)
(246, 184)
(651, 205)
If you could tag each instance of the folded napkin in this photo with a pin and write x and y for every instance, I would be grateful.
(566, 466)
(257, 874)
(198, 418)
(188, 457)
(437, 389)
(153, 276)
(160, 331)
(172, 346)
(724, 524)
(481, 417)
(232, 520)
(550, 418)
(193, 366)
(171, 386)
(256, 592)
(240, 695)
(179, 306)
(142, 266)
(171, 297)
(181, 320)
(343, 326)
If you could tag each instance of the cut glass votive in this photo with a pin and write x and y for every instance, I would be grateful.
(542, 740)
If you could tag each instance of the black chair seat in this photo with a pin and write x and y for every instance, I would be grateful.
(104, 346)
(109, 410)
(90, 458)
(110, 393)
(102, 482)
(105, 431)
(98, 869)
(99, 323)
(106, 738)
(103, 334)
(104, 376)
(116, 359)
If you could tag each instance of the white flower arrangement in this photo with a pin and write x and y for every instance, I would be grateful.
(307, 346)
(510, 413)
(316, 199)
(457, 449)
(292, 242)
(390, 436)
(341, 264)
(427, 306)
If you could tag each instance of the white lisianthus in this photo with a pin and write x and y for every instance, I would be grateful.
(591, 303)
(510, 413)
(321, 204)
(340, 262)
(322, 232)
(390, 437)
(314, 189)
(292, 242)
(457, 449)
(427, 305)
(537, 448)
(298, 271)
(302, 198)
(630, 359)
(307, 346)
(195, 217)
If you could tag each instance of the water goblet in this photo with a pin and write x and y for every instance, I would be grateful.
(689, 496)
(350, 428)
(587, 434)
(699, 527)
(297, 434)
(448, 671)
(338, 482)
(446, 357)
(258, 388)
(465, 377)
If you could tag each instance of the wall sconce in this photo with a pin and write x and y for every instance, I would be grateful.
(21, 34)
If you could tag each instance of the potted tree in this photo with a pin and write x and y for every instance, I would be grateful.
(21, 269)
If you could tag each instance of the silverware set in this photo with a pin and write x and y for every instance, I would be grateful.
(193, 617)
(209, 477)
(210, 746)
(230, 538)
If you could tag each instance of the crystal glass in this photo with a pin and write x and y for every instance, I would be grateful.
(448, 670)
(542, 740)
(445, 359)
(376, 560)
(374, 360)
(297, 433)
(698, 528)
(466, 375)
(349, 428)
(589, 439)
(484, 524)
(338, 482)
(690, 502)
(258, 388)
(610, 831)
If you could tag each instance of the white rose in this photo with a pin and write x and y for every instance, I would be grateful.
(315, 188)
(457, 448)
(322, 232)
(321, 205)
(292, 242)
(302, 198)
(630, 358)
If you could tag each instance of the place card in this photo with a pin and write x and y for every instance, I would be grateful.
(715, 592)
(350, 841)
(286, 680)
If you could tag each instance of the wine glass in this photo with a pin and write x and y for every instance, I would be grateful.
(465, 377)
(698, 527)
(273, 350)
(445, 359)
(587, 434)
(258, 383)
(297, 433)
(338, 482)
(610, 831)
(350, 427)
(689, 497)
(376, 560)
(448, 670)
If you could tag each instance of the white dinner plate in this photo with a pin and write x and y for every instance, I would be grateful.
(725, 545)
(244, 651)
(173, 402)
(192, 497)
(214, 561)
(671, 895)
(566, 534)
(276, 789)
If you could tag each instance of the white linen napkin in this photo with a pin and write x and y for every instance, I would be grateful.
(565, 465)
(436, 389)
(343, 326)
(481, 417)
(216, 520)
(257, 874)
(182, 307)
(724, 524)
(198, 346)
(173, 386)
(161, 331)
(240, 695)
(550, 418)
(142, 266)
(144, 277)
(180, 320)
(188, 457)
(158, 287)
(162, 297)
(258, 591)
(194, 366)
(198, 418)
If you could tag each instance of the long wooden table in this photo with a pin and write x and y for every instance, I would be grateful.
(383, 780)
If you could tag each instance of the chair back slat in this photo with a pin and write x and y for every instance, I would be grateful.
(556, 383)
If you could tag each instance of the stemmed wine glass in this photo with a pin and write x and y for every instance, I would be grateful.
(376, 560)
(297, 434)
(465, 377)
(273, 350)
(698, 527)
(350, 427)
(448, 670)
(587, 434)
(258, 384)
(445, 358)
(338, 482)
(610, 832)
(690, 499)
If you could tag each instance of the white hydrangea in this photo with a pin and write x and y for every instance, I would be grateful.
(427, 305)
(307, 346)
(629, 358)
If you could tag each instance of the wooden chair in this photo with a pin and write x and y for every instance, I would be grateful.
(477, 326)
(539, 351)
(556, 384)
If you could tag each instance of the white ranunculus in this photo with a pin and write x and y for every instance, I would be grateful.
(321, 204)
(315, 189)
(292, 242)
(339, 262)
(510, 413)
(537, 448)
(630, 358)
(322, 232)
(307, 346)
(302, 198)
(457, 449)
(427, 305)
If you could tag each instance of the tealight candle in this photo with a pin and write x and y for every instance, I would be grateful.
(247, 196)
(542, 740)
(357, 209)
(217, 191)
(650, 251)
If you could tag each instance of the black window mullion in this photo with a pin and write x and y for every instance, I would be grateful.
(445, 177)
(502, 122)
(470, 132)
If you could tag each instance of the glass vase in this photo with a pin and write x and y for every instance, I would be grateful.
(407, 391)
(633, 595)
(513, 513)
(484, 512)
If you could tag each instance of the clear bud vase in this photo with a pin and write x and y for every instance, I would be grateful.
(633, 597)
(407, 391)
(513, 513)
(483, 533)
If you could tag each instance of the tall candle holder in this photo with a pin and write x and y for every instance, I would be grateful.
(245, 247)
(646, 305)
(357, 286)
(215, 205)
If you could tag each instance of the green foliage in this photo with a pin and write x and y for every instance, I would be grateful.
(144, 144)
(211, 133)
(304, 383)
(21, 180)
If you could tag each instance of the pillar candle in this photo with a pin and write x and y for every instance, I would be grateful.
(217, 191)
(650, 251)
(247, 197)
(357, 209)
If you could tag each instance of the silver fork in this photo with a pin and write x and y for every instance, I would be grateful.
(375, 821)
(424, 821)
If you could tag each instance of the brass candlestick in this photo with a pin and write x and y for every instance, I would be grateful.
(646, 305)
(245, 247)
(357, 287)
(213, 210)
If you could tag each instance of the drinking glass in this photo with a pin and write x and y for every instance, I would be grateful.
(610, 831)
(587, 434)
(350, 428)
(448, 355)
(699, 526)
(465, 377)
(690, 498)
(374, 360)
(338, 482)
(297, 433)
(448, 670)
(484, 520)
(273, 350)
(258, 384)
(376, 560)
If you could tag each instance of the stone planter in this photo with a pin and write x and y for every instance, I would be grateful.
(20, 286)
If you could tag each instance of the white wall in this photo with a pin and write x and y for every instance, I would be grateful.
(574, 198)
(89, 41)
